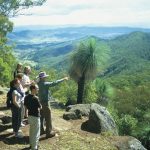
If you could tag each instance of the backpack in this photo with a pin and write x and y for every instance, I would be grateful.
(9, 99)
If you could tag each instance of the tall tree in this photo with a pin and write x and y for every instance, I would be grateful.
(83, 66)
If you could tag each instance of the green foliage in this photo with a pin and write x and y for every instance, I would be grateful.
(130, 104)
(12, 7)
(71, 92)
(143, 134)
(127, 124)
(104, 91)
(129, 53)
(83, 61)
(5, 27)
(65, 92)
(90, 95)
(7, 60)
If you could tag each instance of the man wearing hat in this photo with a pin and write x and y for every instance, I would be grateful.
(44, 96)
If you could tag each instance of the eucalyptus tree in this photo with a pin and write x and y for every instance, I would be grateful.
(83, 65)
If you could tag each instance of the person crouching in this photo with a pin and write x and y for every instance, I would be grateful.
(33, 107)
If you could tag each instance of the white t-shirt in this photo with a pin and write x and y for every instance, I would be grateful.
(23, 91)
(25, 80)
(18, 97)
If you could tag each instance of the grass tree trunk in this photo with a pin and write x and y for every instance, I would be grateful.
(81, 83)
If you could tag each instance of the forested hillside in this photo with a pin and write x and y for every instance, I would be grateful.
(130, 52)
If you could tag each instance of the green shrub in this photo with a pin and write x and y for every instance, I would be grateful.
(127, 124)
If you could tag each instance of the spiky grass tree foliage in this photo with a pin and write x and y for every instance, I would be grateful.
(83, 66)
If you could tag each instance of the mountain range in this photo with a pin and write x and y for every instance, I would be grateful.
(51, 47)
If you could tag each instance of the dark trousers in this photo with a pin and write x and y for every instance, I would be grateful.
(46, 115)
(16, 118)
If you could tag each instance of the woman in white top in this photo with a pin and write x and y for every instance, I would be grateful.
(16, 107)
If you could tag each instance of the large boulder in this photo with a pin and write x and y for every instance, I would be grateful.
(71, 116)
(57, 105)
(84, 109)
(127, 143)
(135, 144)
(77, 111)
(99, 121)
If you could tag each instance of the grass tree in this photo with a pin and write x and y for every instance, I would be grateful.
(83, 66)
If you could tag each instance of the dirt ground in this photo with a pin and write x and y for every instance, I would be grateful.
(69, 135)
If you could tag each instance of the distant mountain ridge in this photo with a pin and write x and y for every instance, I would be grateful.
(129, 51)
(35, 35)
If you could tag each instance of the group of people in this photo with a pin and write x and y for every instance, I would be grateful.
(31, 99)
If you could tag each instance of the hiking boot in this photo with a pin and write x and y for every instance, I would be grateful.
(52, 134)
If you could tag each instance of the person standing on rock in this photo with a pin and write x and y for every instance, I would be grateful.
(33, 106)
(44, 96)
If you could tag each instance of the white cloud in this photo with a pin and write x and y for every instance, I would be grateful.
(81, 12)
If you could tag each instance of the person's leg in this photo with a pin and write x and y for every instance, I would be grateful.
(42, 121)
(19, 118)
(22, 113)
(30, 130)
(38, 131)
(48, 120)
(14, 119)
(34, 133)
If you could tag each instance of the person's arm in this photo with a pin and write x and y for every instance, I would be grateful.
(26, 112)
(39, 105)
(50, 84)
(14, 96)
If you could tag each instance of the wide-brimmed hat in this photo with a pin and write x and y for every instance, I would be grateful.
(42, 75)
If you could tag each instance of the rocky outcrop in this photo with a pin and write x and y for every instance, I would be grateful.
(71, 116)
(57, 105)
(77, 111)
(100, 120)
(127, 143)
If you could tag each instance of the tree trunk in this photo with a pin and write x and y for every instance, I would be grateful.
(81, 83)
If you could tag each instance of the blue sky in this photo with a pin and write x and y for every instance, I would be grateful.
(132, 13)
